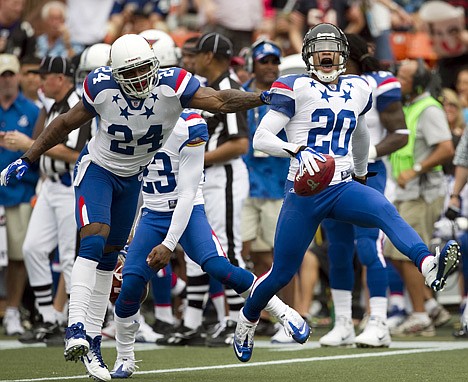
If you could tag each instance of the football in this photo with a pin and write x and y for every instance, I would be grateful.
(117, 282)
(307, 185)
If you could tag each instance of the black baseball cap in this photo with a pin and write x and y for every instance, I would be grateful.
(214, 42)
(57, 65)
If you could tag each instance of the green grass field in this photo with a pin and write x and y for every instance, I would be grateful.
(440, 358)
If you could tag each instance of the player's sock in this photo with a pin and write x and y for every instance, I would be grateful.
(164, 313)
(197, 288)
(342, 302)
(98, 303)
(161, 285)
(126, 329)
(43, 296)
(219, 302)
(378, 307)
(83, 279)
(218, 298)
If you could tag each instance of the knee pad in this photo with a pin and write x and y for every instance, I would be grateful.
(128, 303)
(92, 247)
(234, 277)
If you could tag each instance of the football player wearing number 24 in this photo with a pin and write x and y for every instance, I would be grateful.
(139, 106)
(324, 113)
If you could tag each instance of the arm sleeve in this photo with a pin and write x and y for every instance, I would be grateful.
(265, 138)
(361, 142)
(190, 170)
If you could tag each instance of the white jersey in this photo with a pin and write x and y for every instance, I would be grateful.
(132, 130)
(386, 89)
(322, 116)
(160, 178)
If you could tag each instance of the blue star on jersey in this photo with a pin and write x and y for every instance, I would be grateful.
(148, 112)
(154, 97)
(116, 98)
(124, 112)
(325, 95)
(346, 95)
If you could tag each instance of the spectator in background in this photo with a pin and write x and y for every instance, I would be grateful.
(87, 19)
(17, 113)
(145, 14)
(449, 37)
(56, 41)
(16, 35)
(236, 20)
(419, 196)
(30, 81)
(347, 15)
(454, 111)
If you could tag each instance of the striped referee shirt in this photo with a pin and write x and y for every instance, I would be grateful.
(223, 127)
(76, 140)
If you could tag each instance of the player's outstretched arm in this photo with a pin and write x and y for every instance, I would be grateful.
(58, 130)
(227, 101)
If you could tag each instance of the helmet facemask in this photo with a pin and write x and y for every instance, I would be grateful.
(325, 42)
(139, 86)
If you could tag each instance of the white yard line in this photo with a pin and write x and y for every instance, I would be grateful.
(422, 347)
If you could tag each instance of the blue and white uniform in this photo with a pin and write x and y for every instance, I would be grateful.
(130, 133)
(344, 237)
(173, 211)
(330, 119)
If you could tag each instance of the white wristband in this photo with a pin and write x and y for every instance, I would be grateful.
(372, 152)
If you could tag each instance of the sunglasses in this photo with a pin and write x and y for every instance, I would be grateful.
(269, 60)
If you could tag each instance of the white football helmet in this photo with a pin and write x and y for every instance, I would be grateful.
(164, 47)
(325, 38)
(130, 52)
(93, 57)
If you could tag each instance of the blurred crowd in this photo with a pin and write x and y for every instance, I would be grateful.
(433, 32)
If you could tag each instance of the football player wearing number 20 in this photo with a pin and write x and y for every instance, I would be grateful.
(139, 106)
(324, 113)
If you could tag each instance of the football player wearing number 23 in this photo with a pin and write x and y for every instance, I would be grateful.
(324, 113)
(138, 105)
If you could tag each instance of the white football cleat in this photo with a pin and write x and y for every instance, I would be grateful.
(342, 333)
(93, 361)
(123, 368)
(375, 335)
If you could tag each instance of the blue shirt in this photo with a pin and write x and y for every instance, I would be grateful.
(21, 116)
(267, 174)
